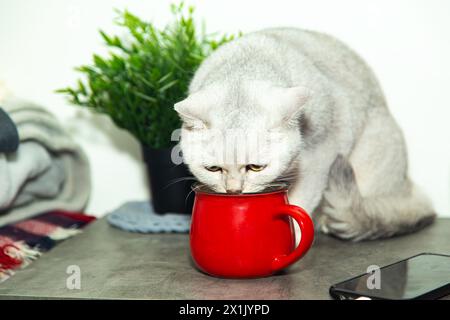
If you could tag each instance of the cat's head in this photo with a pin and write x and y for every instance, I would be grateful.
(242, 138)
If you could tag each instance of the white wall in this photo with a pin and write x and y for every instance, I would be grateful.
(406, 42)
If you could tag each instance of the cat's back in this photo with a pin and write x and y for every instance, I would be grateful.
(330, 56)
(289, 53)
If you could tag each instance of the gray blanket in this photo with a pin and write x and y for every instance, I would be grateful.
(48, 171)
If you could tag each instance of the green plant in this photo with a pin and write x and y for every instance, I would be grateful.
(139, 81)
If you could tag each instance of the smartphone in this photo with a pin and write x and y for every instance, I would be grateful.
(424, 276)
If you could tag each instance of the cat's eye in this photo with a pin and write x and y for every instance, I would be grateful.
(254, 167)
(213, 168)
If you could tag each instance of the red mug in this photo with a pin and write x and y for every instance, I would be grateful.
(247, 235)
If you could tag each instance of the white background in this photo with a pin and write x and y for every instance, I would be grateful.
(407, 43)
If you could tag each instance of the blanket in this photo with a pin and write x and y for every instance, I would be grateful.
(24, 241)
(48, 171)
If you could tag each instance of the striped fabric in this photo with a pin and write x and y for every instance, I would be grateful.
(24, 241)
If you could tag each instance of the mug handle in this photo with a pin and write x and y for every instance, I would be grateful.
(307, 228)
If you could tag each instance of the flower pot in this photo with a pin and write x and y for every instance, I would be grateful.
(170, 190)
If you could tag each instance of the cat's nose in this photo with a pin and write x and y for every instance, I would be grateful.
(233, 185)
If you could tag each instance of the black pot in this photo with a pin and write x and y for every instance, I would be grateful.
(170, 190)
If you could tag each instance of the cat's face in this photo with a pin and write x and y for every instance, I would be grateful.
(241, 140)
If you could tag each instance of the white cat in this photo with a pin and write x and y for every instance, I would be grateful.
(322, 124)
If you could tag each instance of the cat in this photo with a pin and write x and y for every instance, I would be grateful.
(322, 124)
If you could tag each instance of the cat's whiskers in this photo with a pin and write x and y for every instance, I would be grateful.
(194, 188)
(172, 182)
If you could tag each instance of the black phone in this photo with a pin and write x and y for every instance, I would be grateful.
(424, 276)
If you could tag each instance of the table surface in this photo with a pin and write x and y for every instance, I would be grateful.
(122, 265)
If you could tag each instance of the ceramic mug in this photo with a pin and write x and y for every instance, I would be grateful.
(247, 235)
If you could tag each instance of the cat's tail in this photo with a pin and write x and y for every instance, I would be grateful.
(349, 215)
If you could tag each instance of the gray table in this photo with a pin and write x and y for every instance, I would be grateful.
(118, 264)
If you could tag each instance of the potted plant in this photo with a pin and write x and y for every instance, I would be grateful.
(138, 83)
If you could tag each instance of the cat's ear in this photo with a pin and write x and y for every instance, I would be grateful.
(292, 104)
(191, 114)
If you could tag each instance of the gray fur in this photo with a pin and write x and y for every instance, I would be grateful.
(348, 153)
